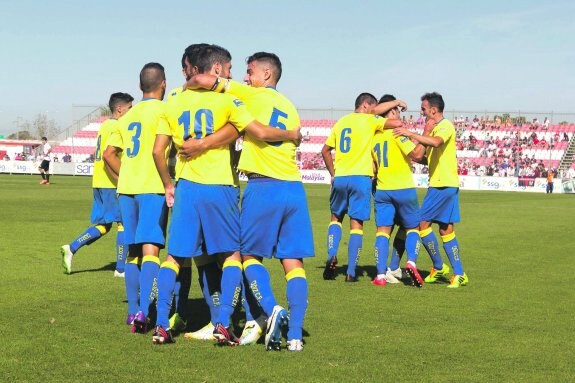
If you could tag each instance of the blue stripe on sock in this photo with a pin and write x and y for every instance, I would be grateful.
(297, 294)
(432, 247)
(354, 251)
(259, 283)
(166, 284)
(452, 250)
(381, 251)
(90, 235)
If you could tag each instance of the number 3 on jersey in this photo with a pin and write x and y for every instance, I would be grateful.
(136, 127)
(381, 154)
(276, 123)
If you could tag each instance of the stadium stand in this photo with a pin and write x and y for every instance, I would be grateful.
(484, 147)
(82, 144)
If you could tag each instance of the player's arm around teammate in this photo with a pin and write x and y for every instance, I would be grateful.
(395, 200)
(193, 148)
(351, 174)
(441, 203)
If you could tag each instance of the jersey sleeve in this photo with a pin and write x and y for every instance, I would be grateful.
(167, 124)
(405, 144)
(240, 117)
(379, 123)
(331, 138)
(173, 93)
(115, 139)
(241, 91)
(443, 131)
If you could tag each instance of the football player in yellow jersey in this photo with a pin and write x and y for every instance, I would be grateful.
(205, 200)
(395, 200)
(441, 203)
(209, 272)
(105, 206)
(351, 138)
(275, 220)
(140, 189)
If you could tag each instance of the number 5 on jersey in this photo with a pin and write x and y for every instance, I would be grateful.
(276, 123)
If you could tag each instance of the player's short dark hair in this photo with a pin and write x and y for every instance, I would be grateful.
(365, 97)
(191, 53)
(151, 77)
(269, 58)
(119, 98)
(386, 98)
(44, 138)
(435, 100)
(210, 55)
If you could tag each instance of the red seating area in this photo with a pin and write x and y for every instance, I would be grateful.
(318, 123)
(86, 134)
(63, 149)
(82, 144)
(478, 146)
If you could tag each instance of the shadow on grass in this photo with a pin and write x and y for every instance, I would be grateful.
(109, 267)
(371, 272)
(199, 315)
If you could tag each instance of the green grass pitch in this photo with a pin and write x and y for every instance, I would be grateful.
(513, 323)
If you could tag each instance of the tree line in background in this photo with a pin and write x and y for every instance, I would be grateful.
(41, 126)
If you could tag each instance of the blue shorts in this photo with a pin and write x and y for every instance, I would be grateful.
(275, 220)
(397, 206)
(441, 205)
(105, 206)
(204, 217)
(351, 195)
(144, 217)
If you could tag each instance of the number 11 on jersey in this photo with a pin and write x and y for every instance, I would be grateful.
(381, 154)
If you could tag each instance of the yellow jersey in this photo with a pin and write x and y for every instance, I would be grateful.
(351, 137)
(171, 96)
(174, 92)
(271, 159)
(101, 178)
(136, 136)
(394, 164)
(442, 161)
(196, 114)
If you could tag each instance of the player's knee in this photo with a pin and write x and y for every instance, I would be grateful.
(297, 272)
(103, 229)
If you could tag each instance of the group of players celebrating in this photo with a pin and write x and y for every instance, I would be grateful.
(372, 141)
(133, 187)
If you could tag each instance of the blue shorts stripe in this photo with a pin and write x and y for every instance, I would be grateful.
(105, 206)
(397, 207)
(275, 220)
(351, 195)
(204, 217)
(144, 217)
(441, 205)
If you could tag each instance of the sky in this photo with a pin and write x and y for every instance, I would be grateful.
(61, 57)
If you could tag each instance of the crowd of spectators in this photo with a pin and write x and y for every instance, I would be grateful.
(19, 157)
(504, 146)
(30, 157)
(310, 162)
